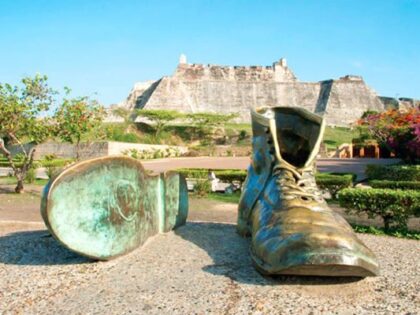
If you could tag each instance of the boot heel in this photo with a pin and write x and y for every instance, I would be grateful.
(106, 207)
(176, 201)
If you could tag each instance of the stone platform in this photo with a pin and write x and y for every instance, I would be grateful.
(201, 268)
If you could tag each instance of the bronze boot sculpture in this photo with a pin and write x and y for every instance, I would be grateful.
(109, 206)
(292, 228)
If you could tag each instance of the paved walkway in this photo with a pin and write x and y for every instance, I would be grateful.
(356, 166)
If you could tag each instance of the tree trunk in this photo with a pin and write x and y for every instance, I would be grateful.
(19, 187)
(77, 150)
(387, 221)
(19, 172)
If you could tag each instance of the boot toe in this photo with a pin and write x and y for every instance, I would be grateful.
(312, 248)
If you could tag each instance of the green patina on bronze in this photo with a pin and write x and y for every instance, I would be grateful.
(292, 228)
(106, 207)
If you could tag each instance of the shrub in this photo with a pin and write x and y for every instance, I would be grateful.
(333, 183)
(153, 153)
(127, 137)
(193, 172)
(202, 185)
(157, 154)
(223, 175)
(231, 175)
(118, 132)
(191, 153)
(243, 134)
(51, 171)
(414, 185)
(393, 172)
(5, 162)
(30, 176)
(397, 130)
(53, 165)
(394, 206)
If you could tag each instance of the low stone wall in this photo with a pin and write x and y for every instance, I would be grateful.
(64, 150)
(89, 150)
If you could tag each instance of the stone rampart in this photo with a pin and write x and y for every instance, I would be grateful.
(234, 89)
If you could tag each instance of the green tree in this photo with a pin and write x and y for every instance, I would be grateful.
(208, 122)
(160, 118)
(78, 119)
(23, 118)
(127, 115)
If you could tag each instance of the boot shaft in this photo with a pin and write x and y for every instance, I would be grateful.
(285, 137)
(294, 134)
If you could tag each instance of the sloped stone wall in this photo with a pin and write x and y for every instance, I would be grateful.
(234, 89)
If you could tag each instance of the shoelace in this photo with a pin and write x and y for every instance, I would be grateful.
(294, 184)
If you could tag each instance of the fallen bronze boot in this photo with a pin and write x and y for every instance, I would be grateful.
(106, 207)
(293, 230)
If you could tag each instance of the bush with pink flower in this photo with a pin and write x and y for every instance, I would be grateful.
(397, 130)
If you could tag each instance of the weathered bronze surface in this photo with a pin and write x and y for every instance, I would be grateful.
(106, 207)
(292, 228)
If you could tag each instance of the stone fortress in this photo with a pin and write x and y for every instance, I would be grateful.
(234, 89)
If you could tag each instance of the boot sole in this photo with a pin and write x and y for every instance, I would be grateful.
(106, 207)
(319, 264)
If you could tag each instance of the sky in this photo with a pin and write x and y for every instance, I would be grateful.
(101, 48)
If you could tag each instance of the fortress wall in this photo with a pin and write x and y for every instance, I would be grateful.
(138, 90)
(234, 89)
(348, 100)
(231, 97)
(195, 72)
(224, 73)
(302, 94)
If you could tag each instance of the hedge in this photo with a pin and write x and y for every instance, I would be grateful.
(38, 163)
(393, 172)
(394, 206)
(391, 184)
(224, 175)
(231, 175)
(5, 162)
(333, 182)
(55, 162)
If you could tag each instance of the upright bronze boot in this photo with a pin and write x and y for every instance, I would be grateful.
(293, 230)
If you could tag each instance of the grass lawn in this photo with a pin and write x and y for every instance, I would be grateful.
(182, 134)
(233, 198)
(12, 181)
(335, 136)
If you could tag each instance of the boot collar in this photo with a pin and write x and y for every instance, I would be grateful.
(266, 116)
